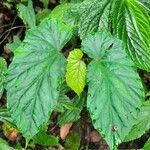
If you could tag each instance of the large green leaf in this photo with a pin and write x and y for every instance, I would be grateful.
(76, 71)
(92, 15)
(36, 74)
(26, 13)
(115, 89)
(3, 70)
(131, 23)
(142, 123)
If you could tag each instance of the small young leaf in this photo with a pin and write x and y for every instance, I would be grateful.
(15, 44)
(115, 90)
(64, 102)
(3, 70)
(36, 74)
(142, 123)
(76, 71)
(69, 116)
(147, 145)
(27, 14)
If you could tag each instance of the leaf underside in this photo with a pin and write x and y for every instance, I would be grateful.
(35, 75)
(114, 87)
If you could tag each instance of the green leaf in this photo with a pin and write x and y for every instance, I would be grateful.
(4, 145)
(76, 71)
(115, 90)
(71, 16)
(72, 141)
(91, 16)
(18, 146)
(76, 1)
(7, 4)
(59, 11)
(5, 116)
(131, 23)
(42, 138)
(146, 5)
(64, 102)
(36, 74)
(71, 1)
(147, 145)
(69, 116)
(15, 44)
(3, 70)
(27, 14)
(45, 3)
(41, 15)
(142, 123)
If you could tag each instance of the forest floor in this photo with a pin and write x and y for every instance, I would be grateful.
(11, 25)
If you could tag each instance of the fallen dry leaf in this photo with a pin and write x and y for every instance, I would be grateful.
(94, 136)
(64, 130)
(10, 132)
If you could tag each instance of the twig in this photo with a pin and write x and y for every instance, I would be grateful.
(5, 25)
(9, 30)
